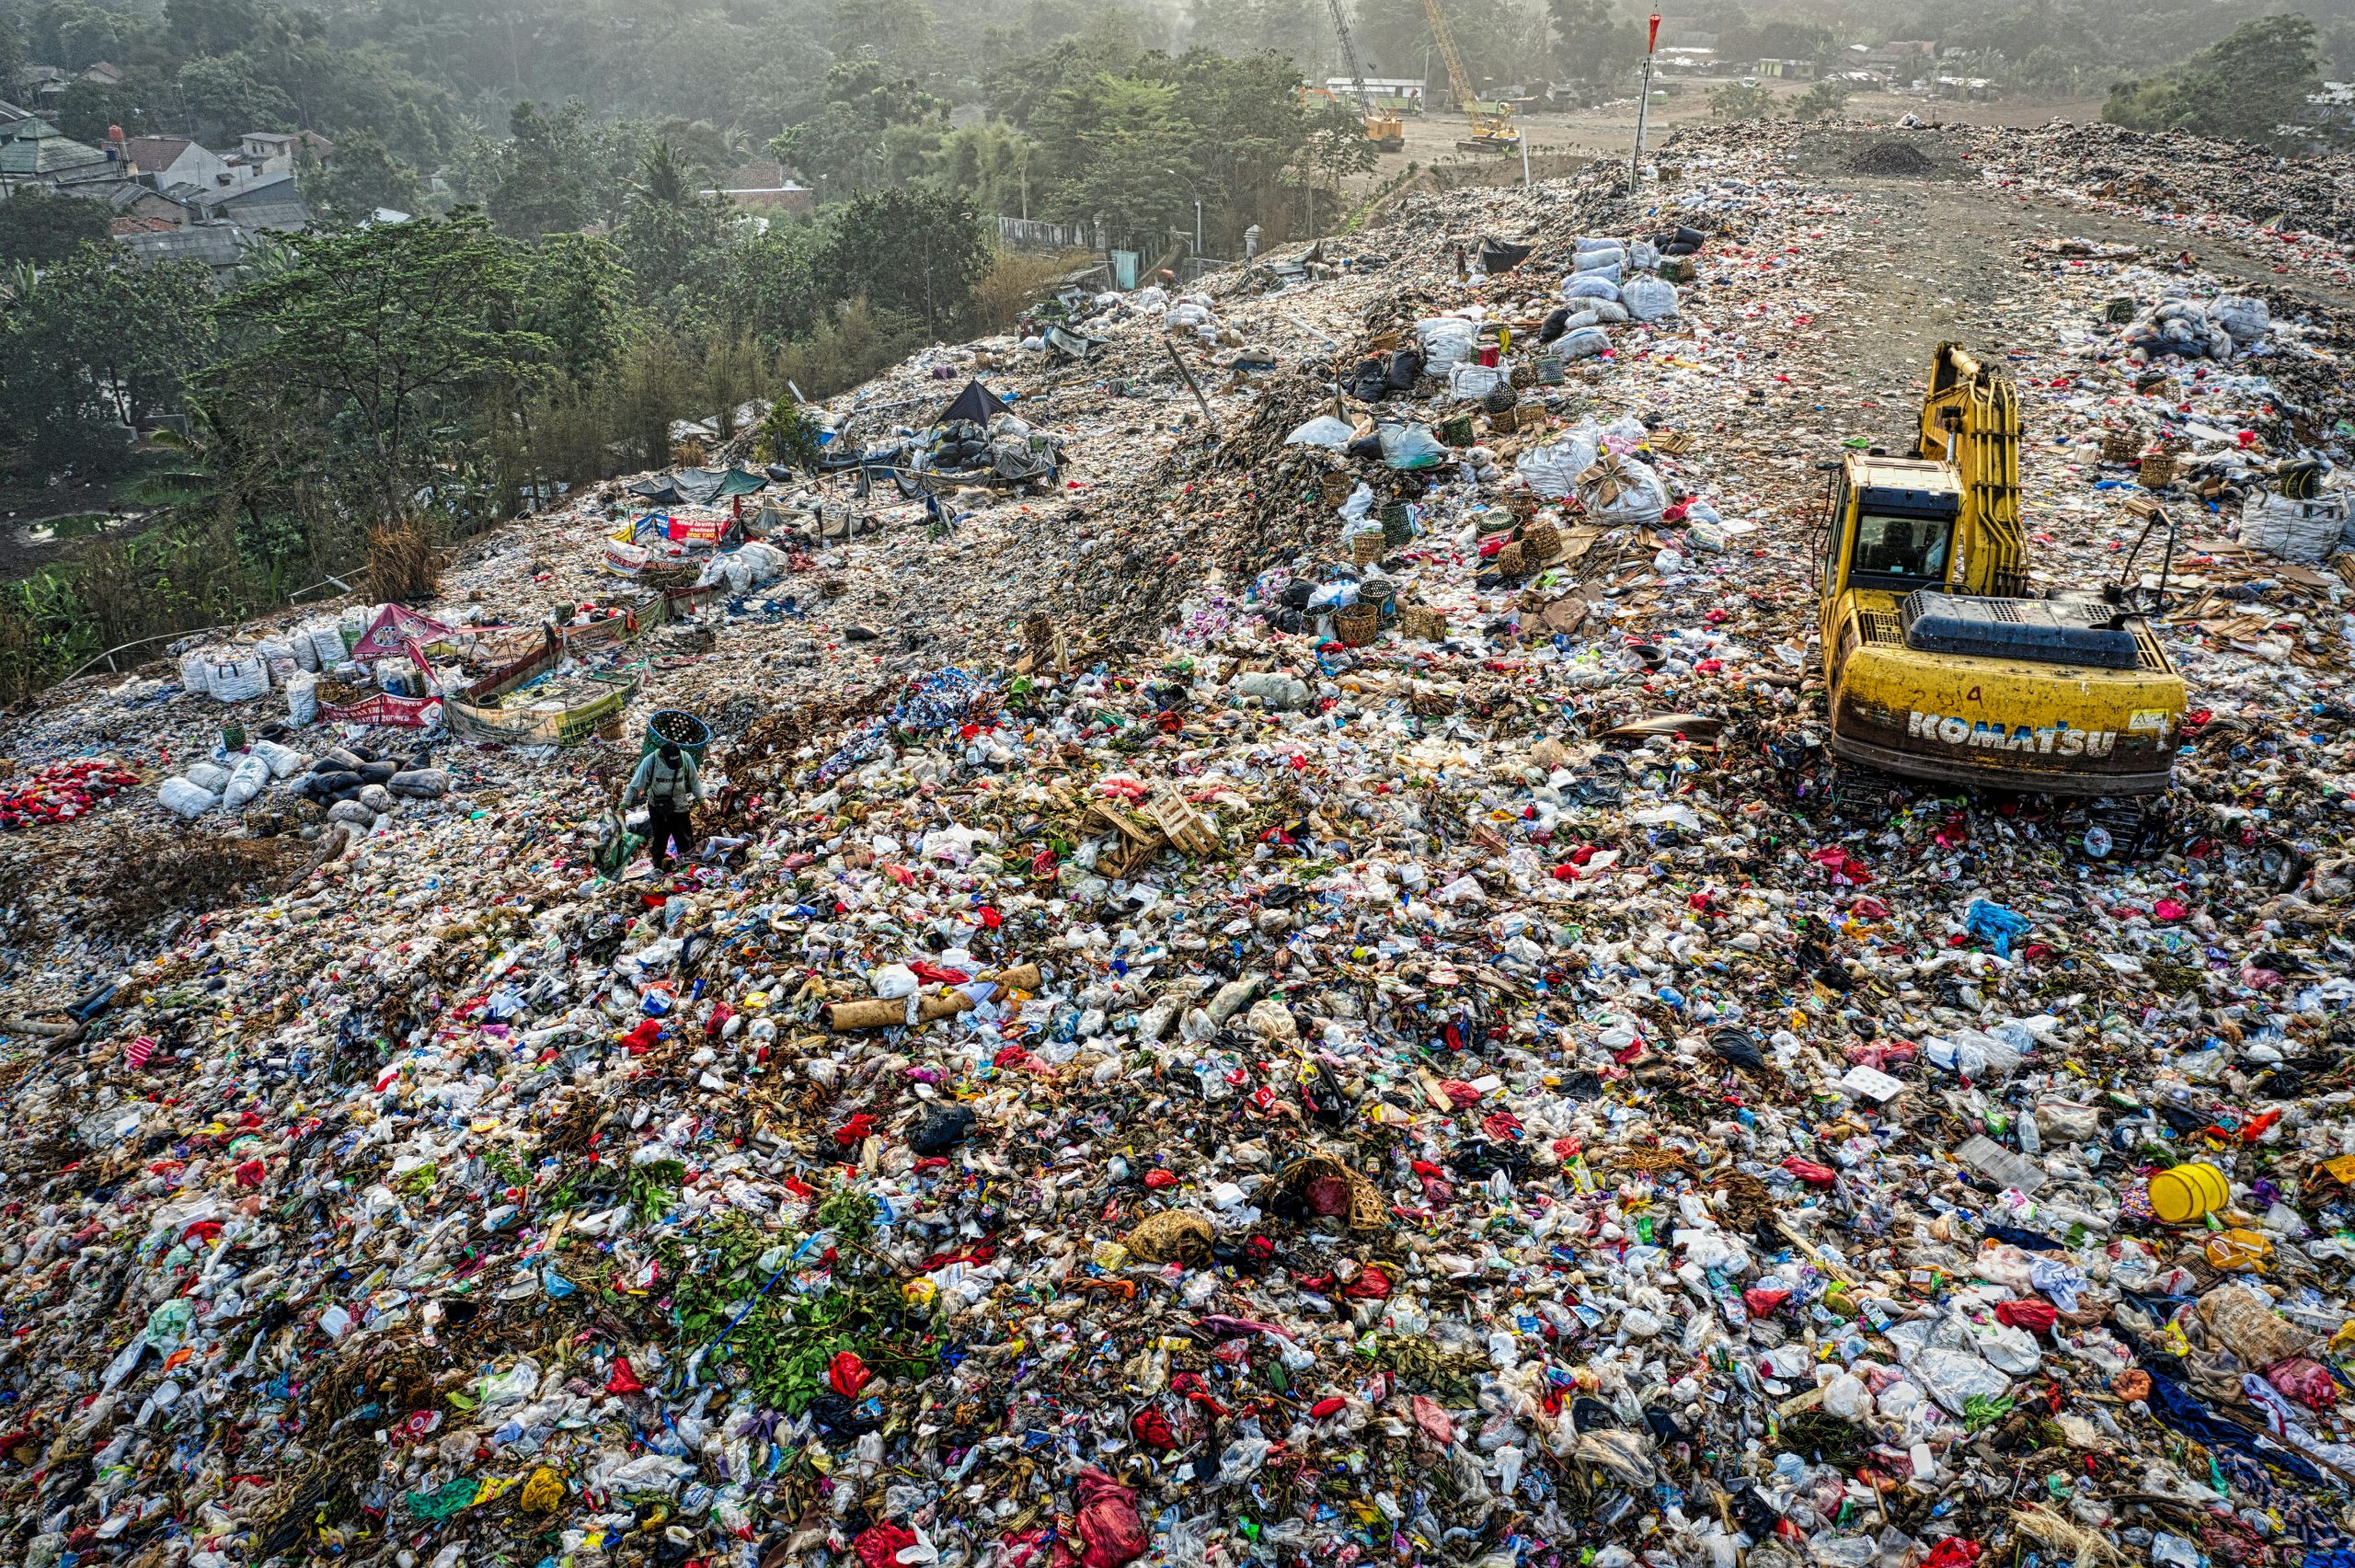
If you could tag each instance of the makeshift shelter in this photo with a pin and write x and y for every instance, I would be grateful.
(697, 487)
(976, 403)
(389, 635)
(1499, 255)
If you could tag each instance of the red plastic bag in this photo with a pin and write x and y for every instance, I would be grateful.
(1954, 1552)
(1811, 1172)
(1152, 1429)
(2037, 1317)
(1108, 1525)
(878, 1546)
(848, 1374)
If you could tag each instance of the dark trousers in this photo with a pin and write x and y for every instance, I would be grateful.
(668, 825)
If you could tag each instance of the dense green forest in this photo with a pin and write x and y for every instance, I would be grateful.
(571, 288)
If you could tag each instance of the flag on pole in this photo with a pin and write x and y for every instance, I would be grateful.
(1652, 40)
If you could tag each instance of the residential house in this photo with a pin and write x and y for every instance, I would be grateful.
(219, 246)
(105, 73)
(1693, 60)
(41, 82)
(2334, 107)
(34, 152)
(280, 152)
(762, 185)
(1787, 70)
(1899, 57)
(176, 160)
(270, 202)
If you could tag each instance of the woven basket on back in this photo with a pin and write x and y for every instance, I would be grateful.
(1365, 548)
(1356, 625)
(2157, 472)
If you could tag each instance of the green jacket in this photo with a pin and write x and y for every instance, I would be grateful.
(656, 781)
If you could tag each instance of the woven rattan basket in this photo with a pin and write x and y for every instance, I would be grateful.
(1422, 623)
(1356, 625)
(1325, 1187)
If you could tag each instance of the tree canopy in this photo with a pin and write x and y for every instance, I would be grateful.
(2252, 85)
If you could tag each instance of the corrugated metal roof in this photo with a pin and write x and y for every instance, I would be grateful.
(215, 244)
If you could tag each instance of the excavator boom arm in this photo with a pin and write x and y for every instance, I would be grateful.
(1456, 78)
(1349, 58)
(1483, 122)
(1970, 417)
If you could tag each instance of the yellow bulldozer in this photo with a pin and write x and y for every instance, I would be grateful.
(1937, 663)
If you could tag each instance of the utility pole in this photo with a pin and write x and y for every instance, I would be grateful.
(1643, 107)
(1524, 157)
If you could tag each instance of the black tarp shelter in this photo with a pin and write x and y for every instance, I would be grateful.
(976, 403)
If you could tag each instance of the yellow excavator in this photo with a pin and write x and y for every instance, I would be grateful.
(1492, 127)
(1387, 131)
(1936, 662)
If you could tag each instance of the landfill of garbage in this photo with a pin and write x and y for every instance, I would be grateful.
(1301, 990)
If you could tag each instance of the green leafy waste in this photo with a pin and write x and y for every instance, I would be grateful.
(654, 1187)
(786, 1345)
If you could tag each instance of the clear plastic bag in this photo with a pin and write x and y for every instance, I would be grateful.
(1411, 446)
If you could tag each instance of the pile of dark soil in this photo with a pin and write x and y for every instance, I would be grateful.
(1891, 158)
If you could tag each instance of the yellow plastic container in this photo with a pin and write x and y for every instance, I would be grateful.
(2236, 1251)
(2189, 1193)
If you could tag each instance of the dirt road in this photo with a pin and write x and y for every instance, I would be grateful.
(1610, 131)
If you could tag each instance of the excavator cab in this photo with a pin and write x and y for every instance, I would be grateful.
(1937, 663)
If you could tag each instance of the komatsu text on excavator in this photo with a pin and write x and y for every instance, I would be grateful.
(1937, 663)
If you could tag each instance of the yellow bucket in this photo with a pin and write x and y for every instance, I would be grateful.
(2189, 1193)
